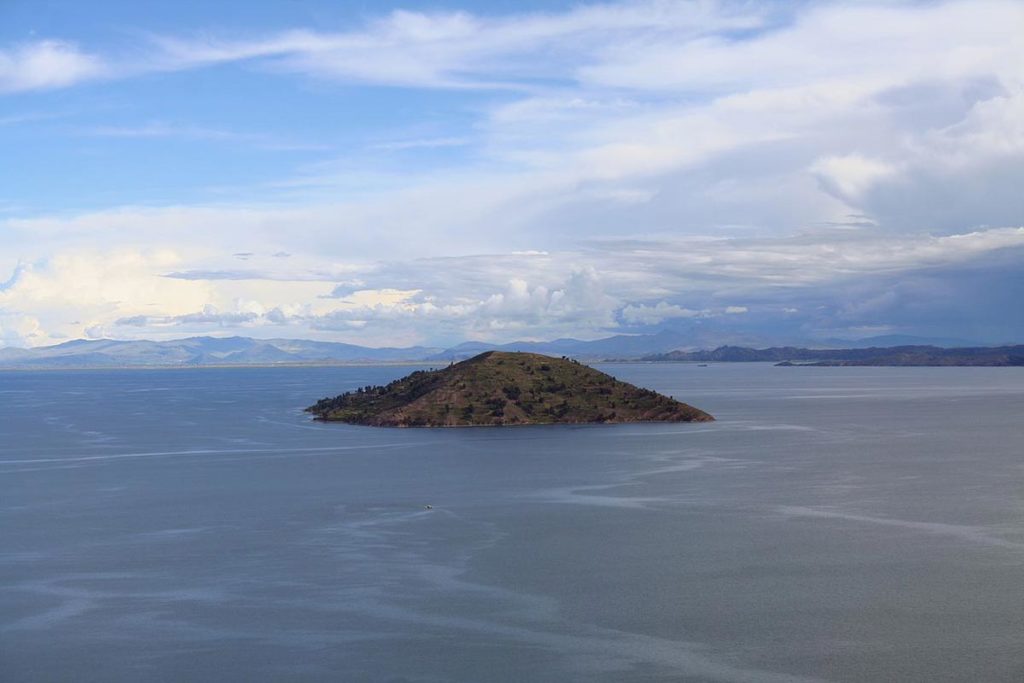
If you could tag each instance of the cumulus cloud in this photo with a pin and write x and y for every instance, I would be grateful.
(20, 330)
(95, 332)
(577, 305)
(70, 292)
(446, 300)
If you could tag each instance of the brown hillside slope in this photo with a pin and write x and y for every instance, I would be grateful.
(501, 388)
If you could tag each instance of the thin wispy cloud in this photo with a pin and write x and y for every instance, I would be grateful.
(157, 129)
(459, 49)
(164, 130)
(424, 143)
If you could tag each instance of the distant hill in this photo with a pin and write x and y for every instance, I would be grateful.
(618, 346)
(201, 351)
(504, 388)
(887, 340)
(897, 355)
(204, 351)
(643, 346)
(217, 351)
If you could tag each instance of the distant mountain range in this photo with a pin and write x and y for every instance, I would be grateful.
(888, 340)
(619, 346)
(212, 351)
(202, 351)
(889, 356)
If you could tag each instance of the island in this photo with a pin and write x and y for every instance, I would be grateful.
(504, 388)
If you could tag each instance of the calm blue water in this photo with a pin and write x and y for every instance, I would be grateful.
(844, 524)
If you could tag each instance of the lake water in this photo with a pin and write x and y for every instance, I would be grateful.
(843, 524)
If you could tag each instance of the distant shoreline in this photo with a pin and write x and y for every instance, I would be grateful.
(890, 356)
(224, 366)
(436, 364)
(325, 364)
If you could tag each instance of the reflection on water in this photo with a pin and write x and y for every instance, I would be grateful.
(847, 524)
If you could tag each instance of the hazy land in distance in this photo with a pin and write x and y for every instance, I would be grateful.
(662, 346)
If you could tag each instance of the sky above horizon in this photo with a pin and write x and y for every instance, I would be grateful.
(427, 173)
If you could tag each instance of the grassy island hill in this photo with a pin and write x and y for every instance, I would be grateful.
(504, 388)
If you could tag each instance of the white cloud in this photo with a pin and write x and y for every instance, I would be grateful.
(499, 297)
(648, 89)
(837, 42)
(21, 330)
(851, 175)
(579, 302)
(458, 49)
(642, 314)
(96, 332)
(70, 292)
(46, 64)
(577, 305)
(422, 143)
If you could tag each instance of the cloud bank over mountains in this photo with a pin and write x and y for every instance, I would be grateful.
(748, 172)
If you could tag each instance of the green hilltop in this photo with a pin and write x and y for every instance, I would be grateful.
(504, 388)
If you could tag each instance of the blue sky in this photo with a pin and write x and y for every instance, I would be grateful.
(434, 172)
